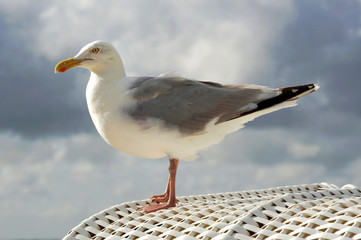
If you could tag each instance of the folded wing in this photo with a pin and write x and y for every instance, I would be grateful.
(189, 105)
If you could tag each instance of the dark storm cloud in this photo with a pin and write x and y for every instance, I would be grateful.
(35, 101)
(321, 44)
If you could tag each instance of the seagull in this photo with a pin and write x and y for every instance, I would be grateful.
(168, 115)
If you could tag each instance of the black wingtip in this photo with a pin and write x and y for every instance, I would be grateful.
(286, 94)
(295, 92)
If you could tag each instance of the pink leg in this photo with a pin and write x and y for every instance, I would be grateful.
(167, 199)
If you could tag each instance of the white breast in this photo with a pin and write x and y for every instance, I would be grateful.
(106, 103)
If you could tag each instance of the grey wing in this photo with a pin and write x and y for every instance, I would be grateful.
(189, 105)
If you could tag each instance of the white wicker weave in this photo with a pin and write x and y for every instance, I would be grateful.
(316, 211)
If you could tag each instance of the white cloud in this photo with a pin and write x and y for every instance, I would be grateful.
(70, 178)
(291, 173)
(302, 150)
(192, 38)
(56, 178)
(82, 170)
(264, 145)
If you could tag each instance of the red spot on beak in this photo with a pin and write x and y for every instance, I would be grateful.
(63, 69)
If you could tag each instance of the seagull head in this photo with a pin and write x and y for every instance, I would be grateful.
(97, 57)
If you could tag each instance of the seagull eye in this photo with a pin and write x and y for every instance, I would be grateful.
(95, 50)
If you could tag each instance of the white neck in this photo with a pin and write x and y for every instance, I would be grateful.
(113, 71)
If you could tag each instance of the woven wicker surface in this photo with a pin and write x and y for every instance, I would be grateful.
(316, 211)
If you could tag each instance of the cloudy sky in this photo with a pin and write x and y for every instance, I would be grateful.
(55, 170)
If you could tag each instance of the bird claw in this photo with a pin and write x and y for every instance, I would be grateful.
(154, 208)
(160, 198)
(163, 198)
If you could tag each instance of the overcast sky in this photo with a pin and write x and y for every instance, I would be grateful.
(55, 170)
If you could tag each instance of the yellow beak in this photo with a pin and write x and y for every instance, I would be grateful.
(67, 64)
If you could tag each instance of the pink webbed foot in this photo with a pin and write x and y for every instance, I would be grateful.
(163, 198)
(153, 208)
